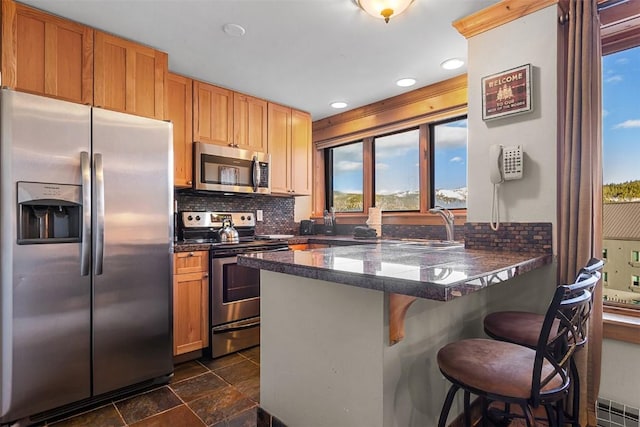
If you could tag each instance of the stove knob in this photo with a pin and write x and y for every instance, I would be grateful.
(249, 218)
(242, 218)
(190, 218)
(197, 217)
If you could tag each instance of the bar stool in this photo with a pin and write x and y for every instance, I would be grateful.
(523, 328)
(499, 371)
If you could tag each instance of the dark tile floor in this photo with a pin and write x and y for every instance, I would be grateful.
(223, 392)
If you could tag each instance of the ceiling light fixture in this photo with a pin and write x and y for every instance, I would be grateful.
(338, 104)
(384, 8)
(406, 82)
(452, 64)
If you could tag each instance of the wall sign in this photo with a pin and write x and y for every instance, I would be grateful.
(506, 93)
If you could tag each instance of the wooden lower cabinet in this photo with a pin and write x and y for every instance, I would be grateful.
(190, 301)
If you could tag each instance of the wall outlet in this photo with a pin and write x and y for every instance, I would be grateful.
(259, 215)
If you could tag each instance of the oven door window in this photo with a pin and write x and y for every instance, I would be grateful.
(239, 283)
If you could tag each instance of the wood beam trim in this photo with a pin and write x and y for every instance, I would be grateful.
(409, 98)
(497, 15)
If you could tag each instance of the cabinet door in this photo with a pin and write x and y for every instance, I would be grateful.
(301, 153)
(46, 55)
(129, 77)
(212, 114)
(190, 312)
(179, 108)
(279, 143)
(249, 122)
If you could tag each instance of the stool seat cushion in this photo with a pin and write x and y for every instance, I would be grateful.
(518, 327)
(495, 367)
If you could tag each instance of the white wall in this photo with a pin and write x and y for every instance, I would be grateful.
(529, 40)
(619, 372)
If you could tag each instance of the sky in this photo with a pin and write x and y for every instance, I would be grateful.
(397, 161)
(621, 116)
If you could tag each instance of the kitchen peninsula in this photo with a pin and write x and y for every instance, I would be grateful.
(327, 314)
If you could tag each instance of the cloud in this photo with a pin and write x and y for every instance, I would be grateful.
(448, 136)
(381, 166)
(456, 159)
(605, 113)
(348, 166)
(622, 61)
(614, 79)
(628, 124)
(397, 145)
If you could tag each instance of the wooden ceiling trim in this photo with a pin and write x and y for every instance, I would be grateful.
(498, 14)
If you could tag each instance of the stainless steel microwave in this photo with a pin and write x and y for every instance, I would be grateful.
(230, 170)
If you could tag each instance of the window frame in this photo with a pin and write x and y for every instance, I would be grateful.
(425, 166)
(620, 322)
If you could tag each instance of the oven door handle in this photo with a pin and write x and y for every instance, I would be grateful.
(237, 326)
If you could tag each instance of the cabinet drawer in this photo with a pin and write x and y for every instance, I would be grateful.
(190, 262)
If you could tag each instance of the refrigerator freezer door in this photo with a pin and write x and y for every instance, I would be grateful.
(45, 347)
(133, 188)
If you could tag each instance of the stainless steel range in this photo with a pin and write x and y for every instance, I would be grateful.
(234, 290)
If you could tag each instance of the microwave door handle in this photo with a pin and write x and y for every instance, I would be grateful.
(256, 173)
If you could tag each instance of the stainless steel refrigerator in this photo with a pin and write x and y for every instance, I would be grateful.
(85, 240)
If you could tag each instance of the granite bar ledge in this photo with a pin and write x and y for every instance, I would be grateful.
(436, 273)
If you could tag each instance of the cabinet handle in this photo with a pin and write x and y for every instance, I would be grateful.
(190, 182)
(191, 253)
(205, 275)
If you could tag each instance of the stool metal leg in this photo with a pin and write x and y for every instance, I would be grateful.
(467, 409)
(446, 407)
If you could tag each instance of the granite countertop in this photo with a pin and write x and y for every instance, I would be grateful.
(402, 267)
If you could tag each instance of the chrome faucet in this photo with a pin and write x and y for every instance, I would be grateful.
(448, 218)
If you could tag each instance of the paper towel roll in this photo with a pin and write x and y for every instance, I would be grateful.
(375, 220)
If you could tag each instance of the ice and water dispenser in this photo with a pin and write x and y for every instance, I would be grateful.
(49, 213)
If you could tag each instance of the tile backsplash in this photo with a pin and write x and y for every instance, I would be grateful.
(278, 212)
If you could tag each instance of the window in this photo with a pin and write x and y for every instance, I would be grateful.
(346, 183)
(621, 176)
(409, 170)
(397, 181)
(450, 164)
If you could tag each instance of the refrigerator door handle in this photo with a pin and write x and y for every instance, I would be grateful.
(85, 246)
(99, 229)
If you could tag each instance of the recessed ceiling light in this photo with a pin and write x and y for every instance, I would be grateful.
(406, 82)
(338, 104)
(452, 64)
(234, 30)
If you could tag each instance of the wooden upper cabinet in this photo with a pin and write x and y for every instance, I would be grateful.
(212, 114)
(301, 152)
(249, 122)
(129, 77)
(179, 112)
(279, 144)
(289, 144)
(46, 55)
